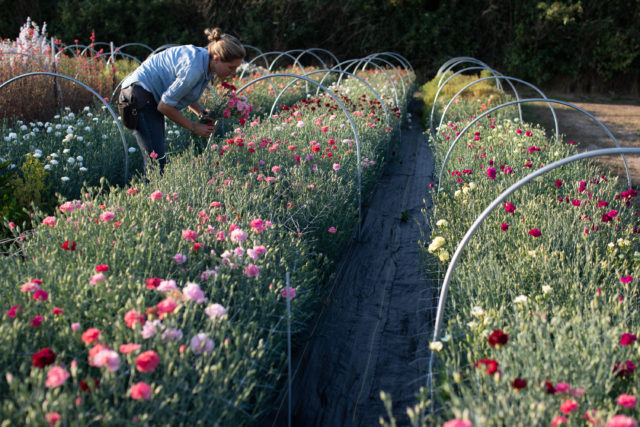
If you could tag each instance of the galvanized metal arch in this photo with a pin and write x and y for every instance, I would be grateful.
(163, 47)
(369, 60)
(547, 100)
(404, 61)
(112, 54)
(441, 86)
(333, 71)
(97, 95)
(353, 127)
(149, 48)
(495, 203)
(281, 54)
(398, 58)
(319, 49)
(457, 59)
(508, 79)
(470, 60)
(358, 61)
(252, 47)
(303, 51)
(94, 44)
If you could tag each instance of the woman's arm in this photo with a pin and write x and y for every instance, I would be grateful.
(196, 108)
(200, 129)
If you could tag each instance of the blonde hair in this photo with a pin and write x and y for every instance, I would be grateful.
(226, 46)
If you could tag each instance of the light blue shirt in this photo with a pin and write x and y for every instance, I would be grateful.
(177, 75)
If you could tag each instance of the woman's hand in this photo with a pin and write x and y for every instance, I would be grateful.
(203, 129)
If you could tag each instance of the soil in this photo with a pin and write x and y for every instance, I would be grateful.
(621, 115)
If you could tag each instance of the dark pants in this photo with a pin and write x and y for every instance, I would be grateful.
(150, 130)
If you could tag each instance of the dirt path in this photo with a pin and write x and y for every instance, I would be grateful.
(371, 335)
(620, 116)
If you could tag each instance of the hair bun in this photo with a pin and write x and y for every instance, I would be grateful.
(214, 34)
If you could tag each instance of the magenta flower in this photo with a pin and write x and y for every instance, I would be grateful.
(41, 295)
(332, 230)
(252, 271)
(13, 311)
(582, 185)
(626, 279)
(491, 173)
(504, 226)
(568, 406)
(621, 421)
(257, 225)
(37, 321)
(289, 292)
(627, 401)
(180, 258)
(558, 420)
(509, 207)
(558, 183)
(457, 423)
(535, 232)
(627, 338)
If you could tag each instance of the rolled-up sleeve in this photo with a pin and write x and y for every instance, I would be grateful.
(187, 77)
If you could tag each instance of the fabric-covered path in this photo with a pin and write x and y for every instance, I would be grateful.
(373, 333)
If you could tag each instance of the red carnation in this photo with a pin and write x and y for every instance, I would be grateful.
(102, 268)
(627, 338)
(519, 383)
(492, 365)
(44, 357)
(535, 232)
(497, 337)
(153, 282)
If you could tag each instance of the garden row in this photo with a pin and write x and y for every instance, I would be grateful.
(164, 302)
(541, 319)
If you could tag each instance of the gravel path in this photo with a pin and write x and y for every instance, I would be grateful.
(372, 334)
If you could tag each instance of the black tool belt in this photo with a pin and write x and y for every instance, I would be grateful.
(131, 100)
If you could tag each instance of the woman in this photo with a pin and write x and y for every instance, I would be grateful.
(173, 79)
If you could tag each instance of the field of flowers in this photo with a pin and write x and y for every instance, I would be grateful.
(164, 301)
(542, 317)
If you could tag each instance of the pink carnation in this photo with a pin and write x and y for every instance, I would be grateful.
(107, 216)
(193, 292)
(189, 235)
(140, 390)
(457, 423)
(180, 258)
(215, 311)
(568, 406)
(156, 195)
(627, 401)
(50, 221)
(201, 344)
(252, 270)
(290, 291)
(56, 376)
(622, 421)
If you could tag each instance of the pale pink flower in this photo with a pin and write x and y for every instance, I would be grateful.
(238, 252)
(290, 291)
(150, 328)
(167, 285)
(108, 358)
(627, 401)
(97, 278)
(180, 258)
(56, 376)
(215, 311)
(257, 225)
(201, 344)
(275, 169)
(69, 207)
(622, 421)
(107, 216)
(252, 271)
(193, 292)
(332, 230)
(140, 390)
(75, 326)
(252, 254)
(189, 235)
(31, 286)
(238, 236)
(156, 195)
(457, 423)
(207, 274)
(50, 221)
